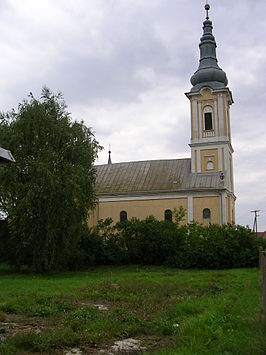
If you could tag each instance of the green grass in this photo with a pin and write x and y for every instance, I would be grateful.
(217, 312)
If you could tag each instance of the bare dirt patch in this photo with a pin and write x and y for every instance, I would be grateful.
(14, 324)
(129, 346)
(100, 305)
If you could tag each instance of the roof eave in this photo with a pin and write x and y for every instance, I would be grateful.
(196, 93)
(153, 193)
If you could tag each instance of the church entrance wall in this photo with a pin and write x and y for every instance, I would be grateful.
(138, 208)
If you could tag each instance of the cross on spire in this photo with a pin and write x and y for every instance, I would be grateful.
(109, 157)
(207, 8)
(208, 73)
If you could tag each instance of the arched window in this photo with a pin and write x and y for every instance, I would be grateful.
(168, 216)
(210, 165)
(208, 123)
(206, 213)
(123, 216)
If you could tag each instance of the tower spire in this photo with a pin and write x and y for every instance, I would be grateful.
(209, 73)
(109, 155)
(210, 100)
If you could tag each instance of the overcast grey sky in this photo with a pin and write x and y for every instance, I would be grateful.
(124, 66)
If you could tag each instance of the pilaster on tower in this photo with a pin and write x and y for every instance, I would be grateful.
(210, 98)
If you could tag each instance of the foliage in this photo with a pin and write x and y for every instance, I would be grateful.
(217, 247)
(154, 242)
(149, 241)
(4, 235)
(179, 214)
(47, 193)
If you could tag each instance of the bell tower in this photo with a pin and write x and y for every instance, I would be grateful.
(210, 101)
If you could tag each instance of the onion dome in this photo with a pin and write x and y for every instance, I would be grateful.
(209, 73)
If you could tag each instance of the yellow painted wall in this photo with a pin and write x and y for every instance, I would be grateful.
(196, 161)
(224, 113)
(207, 98)
(233, 212)
(195, 133)
(136, 208)
(206, 94)
(213, 203)
(223, 158)
(191, 115)
(228, 208)
(231, 172)
(209, 155)
(229, 124)
(144, 208)
(230, 205)
(92, 220)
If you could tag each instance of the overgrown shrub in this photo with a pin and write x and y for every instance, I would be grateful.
(149, 241)
(156, 242)
(4, 234)
(216, 246)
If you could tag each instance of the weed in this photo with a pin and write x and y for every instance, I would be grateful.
(2, 316)
(15, 305)
(7, 349)
(47, 307)
(190, 312)
(32, 341)
(80, 318)
(164, 326)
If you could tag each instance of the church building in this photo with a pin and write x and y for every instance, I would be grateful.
(203, 184)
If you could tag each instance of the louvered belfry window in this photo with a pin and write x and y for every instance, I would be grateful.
(208, 121)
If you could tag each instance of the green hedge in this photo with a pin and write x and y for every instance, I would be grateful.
(154, 242)
(4, 235)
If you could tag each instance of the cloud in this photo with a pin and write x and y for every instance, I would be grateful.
(124, 66)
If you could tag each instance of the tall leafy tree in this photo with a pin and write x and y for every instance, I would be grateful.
(49, 191)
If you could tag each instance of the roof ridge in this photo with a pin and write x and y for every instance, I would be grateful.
(142, 161)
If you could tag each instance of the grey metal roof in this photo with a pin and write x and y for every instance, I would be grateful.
(152, 176)
(6, 156)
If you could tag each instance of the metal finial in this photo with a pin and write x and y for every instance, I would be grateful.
(109, 157)
(207, 8)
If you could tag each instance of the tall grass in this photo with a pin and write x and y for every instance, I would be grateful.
(171, 311)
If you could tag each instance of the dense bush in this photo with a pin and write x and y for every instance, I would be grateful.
(216, 246)
(154, 242)
(150, 241)
(4, 234)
